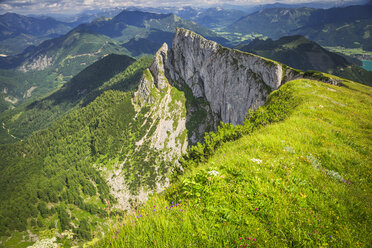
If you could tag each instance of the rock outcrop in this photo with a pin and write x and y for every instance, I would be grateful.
(230, 80)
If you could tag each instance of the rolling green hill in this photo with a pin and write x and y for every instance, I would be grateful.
(346, 27)
(301, 53)
(295, 174)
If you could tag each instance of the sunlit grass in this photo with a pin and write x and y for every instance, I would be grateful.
(302, 182)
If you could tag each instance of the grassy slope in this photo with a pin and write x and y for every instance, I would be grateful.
(302, 182)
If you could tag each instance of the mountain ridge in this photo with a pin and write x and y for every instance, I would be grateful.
(126, 143)
(301, 53)
(192, 60)
(344, 27)
(15, 29)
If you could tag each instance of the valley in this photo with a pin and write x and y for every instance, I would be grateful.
(187, 127)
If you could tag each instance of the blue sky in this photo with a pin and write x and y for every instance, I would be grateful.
(75, 6)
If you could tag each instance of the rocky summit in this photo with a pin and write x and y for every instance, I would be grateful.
(230, 80)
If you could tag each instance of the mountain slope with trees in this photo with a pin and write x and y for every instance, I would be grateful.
(301, 53)
(17, 32)
(346, 27)
(78, 92)
(44, 68)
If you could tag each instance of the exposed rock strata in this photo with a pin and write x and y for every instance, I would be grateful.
(185, 92)
(230, 80)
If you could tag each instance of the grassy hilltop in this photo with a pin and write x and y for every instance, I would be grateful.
(297, 173)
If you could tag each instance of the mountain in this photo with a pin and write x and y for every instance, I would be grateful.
(48, 65)
(294, 175)
(78, 92)
(85, 16)
(207, 17)
(313, 4)
(213, 17)
(17, 32)
(158, 28)
(346, 27)
(42, 69)
(301, 53)
(113, 127)
(108, 144)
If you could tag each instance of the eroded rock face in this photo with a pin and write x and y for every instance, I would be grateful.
(230, 80)
(223, 85)
(40, 63)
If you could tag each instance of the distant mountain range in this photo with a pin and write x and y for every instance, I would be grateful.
(158, 28)
(49, 65)
(18, 32)
(55, 61)
(207, 17)
(347, 27)
(301, 53)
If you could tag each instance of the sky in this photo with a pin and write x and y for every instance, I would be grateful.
(75, 6)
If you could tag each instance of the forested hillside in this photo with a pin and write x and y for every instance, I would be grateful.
(295, 174)
(301, 53)
(346, 27)
(40, 189)
(44, 68)
(78, 92)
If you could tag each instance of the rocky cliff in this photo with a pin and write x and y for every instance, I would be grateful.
(231, 81)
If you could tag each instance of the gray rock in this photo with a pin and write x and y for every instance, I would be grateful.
(230, 80)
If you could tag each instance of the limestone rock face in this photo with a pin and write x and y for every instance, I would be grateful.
(143, 93)
(230, 80)
(157, 67)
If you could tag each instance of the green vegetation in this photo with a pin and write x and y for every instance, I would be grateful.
(237, 38)
(295, 174)
(36, 189)
(67, 56)
(273, 22)
(301, 53)
(354, 52)
(346, 27)
(78, 92)
(19, 32)
(62, 178)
